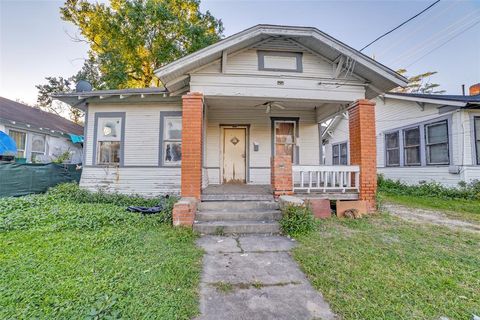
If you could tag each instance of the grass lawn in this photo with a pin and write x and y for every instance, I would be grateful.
(381, 267)
(468, 210)
(62, 257)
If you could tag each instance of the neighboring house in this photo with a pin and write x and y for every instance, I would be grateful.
(420, 137)
(40, 136)
(239, 111)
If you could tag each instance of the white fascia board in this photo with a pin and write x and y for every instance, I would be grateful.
(426, 100)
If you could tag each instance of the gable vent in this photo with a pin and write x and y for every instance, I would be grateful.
(279, 44)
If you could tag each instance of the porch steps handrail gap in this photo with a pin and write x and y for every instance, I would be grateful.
(326, 178)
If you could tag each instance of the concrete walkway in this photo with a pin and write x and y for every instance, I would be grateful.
(254, 277)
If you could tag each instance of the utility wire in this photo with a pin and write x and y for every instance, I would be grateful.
(441, 45)
(400, 25)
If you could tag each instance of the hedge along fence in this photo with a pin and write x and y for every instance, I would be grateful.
(17, 179)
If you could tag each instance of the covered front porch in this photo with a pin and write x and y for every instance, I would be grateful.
(237, 148)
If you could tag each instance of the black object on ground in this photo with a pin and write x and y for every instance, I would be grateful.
(149, 210)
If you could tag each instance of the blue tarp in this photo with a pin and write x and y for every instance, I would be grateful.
(7, 145)
(75, 138)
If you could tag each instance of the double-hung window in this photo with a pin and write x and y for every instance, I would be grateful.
(392, 147)
(20, 139)
(172, 141)
(436, 143)
(340, 154)
(109, 137)
(38, 146)
(411, 138)
(477, 137)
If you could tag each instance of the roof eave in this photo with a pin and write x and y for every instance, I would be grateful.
(426, 100)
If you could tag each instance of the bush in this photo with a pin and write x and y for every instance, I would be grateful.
(297, 220)
(66, 206)
(468, 191)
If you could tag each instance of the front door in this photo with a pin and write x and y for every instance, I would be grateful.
(234, 155)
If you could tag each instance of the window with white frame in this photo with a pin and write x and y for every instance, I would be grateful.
(109, 137)
(172, 141)
(477, 137)
(411, 146)
(436, 143)
(340, 154)
(392, 149)
(38, 146)
(20, 139)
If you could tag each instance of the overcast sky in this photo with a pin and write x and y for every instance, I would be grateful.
(36, 43)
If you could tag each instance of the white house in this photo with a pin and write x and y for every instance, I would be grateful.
(40, 136)
(420, 137)
(244, 111)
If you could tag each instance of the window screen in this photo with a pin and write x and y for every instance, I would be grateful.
(436, 142)
(392, 147)
(109, 136)
(412, 146)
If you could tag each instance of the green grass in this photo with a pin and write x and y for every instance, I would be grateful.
(68, 259)
(381, 267)
(463, 209)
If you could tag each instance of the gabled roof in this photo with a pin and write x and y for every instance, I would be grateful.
(379, 76)
(20, 113)
(442, 99)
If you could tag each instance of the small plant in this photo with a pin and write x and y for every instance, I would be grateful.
(62, 158)
(297, 220)
(224, 287)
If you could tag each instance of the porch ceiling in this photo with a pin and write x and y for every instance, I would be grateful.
(324, 109)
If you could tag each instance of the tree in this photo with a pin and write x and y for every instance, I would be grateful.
(129, 39)
(89, 72)
(419, 83)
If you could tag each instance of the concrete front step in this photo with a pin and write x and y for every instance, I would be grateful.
(237, 227)
(252, 215)
(237, 197)
(231, 206)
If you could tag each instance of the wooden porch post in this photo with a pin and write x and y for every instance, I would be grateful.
(363, 148)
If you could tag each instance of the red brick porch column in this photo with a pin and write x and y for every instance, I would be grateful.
(192, 118)
(363, 147)
(281, 175)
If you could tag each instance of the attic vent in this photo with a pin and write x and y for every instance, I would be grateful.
(280, 61)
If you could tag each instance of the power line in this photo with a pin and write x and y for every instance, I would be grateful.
(441, 45)
(400, 25)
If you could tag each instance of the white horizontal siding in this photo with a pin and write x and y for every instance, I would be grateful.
(393, 114)
(142, 130)
(260, 132)
(148, 182)
(415, 175)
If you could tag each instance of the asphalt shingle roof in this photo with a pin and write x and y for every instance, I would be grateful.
(15, 111)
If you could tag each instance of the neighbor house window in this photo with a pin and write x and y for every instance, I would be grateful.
(20, 139)
(172, 140)
(436, 142)
(280, 61)
(38, 146)
(340, 154)
(109, 137)
(477, 137)
(411, 146)
(392, 149)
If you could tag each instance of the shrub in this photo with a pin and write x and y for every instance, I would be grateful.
(297, 220)
(468, 191)
(66, 206)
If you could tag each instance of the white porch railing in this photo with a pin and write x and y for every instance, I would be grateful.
(326, 178)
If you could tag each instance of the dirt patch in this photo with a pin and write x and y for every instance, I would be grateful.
(429, 216)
